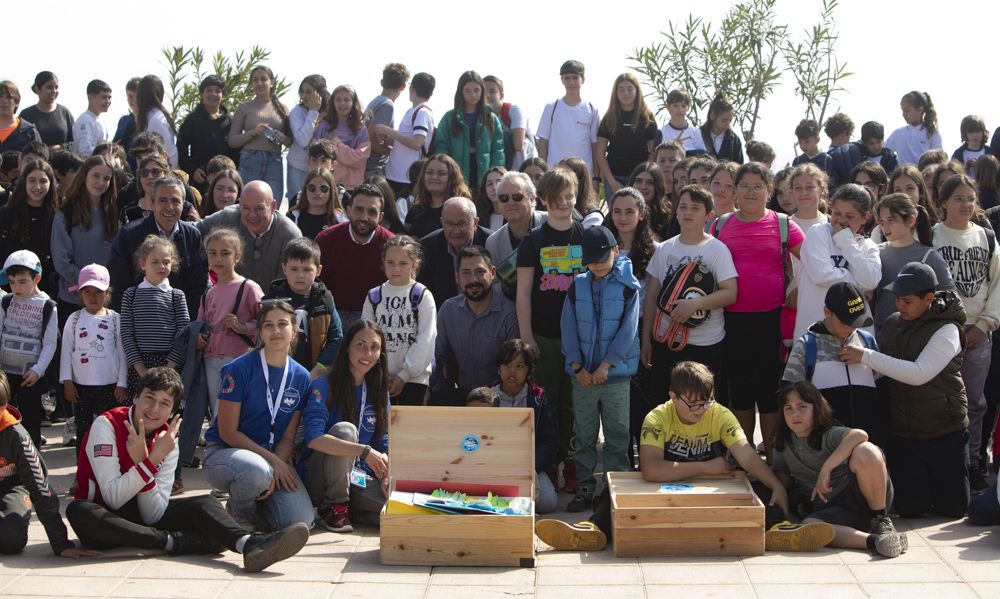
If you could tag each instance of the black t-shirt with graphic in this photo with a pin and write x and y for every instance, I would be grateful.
(556, 262)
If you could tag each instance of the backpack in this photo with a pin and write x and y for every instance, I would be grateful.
(783, 227)
(236, 306)
(508, 137)
(693, 279)
(429, 140)
(416, 294)
(46, 310)
(810, 341)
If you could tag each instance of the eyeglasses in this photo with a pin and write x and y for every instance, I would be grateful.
(696, 407)
(323, 188)
(506, 197)
(151, 172)
(756, 187)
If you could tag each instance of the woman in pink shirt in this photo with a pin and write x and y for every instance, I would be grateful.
(753, 326)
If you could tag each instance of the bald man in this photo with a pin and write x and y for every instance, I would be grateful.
(459, 228)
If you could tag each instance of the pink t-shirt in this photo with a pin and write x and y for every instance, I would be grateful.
(217, 304)
(756, 250)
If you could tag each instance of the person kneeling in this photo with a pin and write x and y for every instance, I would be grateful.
(124, 475)
(840, 476)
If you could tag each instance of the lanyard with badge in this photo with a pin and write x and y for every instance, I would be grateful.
(357, 472)
(273, 404)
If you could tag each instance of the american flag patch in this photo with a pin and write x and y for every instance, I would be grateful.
(103, 450)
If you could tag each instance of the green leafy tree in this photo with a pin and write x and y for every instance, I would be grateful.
(745, 57)
(186, 68)
(817, 72)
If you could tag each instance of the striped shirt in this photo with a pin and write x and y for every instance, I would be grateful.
(151, 317)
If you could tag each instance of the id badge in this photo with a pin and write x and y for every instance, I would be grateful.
(358, 478)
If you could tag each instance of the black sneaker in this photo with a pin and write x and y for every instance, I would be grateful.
(979, 478)
(881, 524)
(263, 549)
(891, 544)
(582, 501)
(193, 543)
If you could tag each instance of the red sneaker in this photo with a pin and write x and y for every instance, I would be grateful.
(335, 518)
(569, 476)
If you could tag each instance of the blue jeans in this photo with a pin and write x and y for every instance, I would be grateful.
(295, 179)
(261, 165)
(975, 367)
(349, 317)
(594, 406)
(246, 475)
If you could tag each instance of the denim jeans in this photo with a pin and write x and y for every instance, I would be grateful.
(349, 317)
(294, 179)
(260, 165)
(328, 480)
(595, 406)
(246, 475)
(548, 499)
(975, 367)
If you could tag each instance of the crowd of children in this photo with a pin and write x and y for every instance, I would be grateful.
(673, 300)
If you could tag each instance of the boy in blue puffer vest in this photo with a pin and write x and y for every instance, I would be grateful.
(600, 341)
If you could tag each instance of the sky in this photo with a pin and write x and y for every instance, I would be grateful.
(891, 46)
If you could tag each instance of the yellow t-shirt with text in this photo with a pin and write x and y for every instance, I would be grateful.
(707, 439)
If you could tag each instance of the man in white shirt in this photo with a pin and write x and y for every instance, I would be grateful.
(89, 129)
(569, 125)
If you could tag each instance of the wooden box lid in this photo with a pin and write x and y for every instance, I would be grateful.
(462, 449)
(629, 490)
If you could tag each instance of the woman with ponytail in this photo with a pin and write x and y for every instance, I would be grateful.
(151, 115)
(921, 131)
(721, 141)
(260, 129)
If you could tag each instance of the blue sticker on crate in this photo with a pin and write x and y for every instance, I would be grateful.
(470, 443)
(675, 487)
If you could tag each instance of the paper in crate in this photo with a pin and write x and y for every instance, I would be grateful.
(476, 451)
(699, 516)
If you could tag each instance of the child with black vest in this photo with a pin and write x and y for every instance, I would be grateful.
(921, 353)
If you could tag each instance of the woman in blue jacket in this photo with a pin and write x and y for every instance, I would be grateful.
(471, 133)
(347, 432)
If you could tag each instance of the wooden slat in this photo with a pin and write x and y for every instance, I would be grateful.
(457, 540)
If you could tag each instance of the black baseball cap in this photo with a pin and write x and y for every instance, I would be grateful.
(848, 304)
(913, 278)
(597, 245)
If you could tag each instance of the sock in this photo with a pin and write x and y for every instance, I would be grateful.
(870, 542)
(241, 542)
(169, 546)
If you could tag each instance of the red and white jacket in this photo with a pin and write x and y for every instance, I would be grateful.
(106, 475)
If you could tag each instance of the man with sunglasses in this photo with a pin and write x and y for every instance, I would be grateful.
(459, 228)
(264, 230)
(516, 193)
(146, 144)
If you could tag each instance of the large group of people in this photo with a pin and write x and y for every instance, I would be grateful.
(660, 283)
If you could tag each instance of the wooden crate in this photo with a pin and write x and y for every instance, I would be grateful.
(460, 449)
(716, 516)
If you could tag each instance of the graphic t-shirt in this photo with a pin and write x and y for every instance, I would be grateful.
(556, 262)
(974, 270)
(705, 440)
(243, 383)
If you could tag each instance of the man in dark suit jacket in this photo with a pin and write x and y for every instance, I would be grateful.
(460, 228)
(191, 274)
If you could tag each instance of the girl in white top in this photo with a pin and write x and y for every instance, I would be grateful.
(407, 315)
(837, 252)
(92, 367)
(975, 267)
(152, 116)
(921, 131)
(809, 185)
(314, 99)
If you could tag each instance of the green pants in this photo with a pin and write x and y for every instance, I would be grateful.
(550, 374)
(606, 404)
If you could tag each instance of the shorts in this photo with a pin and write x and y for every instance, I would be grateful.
(849, 507)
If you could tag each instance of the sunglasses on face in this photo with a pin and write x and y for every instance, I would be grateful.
(311, 188)
(506, 197)
(151, 172)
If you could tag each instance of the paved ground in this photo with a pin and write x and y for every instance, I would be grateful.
(946, 559)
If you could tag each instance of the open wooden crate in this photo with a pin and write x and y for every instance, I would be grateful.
(472, 450)
(701, 516)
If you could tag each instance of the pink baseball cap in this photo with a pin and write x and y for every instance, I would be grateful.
(93, 275)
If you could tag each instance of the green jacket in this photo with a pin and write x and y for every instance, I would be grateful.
(489, 147)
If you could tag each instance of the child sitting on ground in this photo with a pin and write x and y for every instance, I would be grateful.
(839, 476)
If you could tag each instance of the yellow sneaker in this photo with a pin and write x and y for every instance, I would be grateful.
(786, 536)
(582, 536)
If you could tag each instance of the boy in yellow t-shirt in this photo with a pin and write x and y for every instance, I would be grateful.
(688, 436)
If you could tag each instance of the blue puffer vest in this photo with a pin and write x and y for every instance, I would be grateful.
(613, 291)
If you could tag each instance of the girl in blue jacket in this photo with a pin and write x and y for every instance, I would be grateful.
(346, 421)
(471, 133)
(599, 324)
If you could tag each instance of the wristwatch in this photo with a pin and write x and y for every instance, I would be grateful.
(364, 453)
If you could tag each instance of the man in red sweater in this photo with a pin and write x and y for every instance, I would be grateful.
(351, 253)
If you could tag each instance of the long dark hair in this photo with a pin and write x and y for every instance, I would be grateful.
(148, 97)
(19, 202)
(822, 415)
(900, 205)
(280, 108)
(922, 100)
(318, 83)
(355, 118)
(458, 115)
(377, 379)
(642, 242)
(456, 185)
(484, 207)
(77, 206)
(660, 209)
